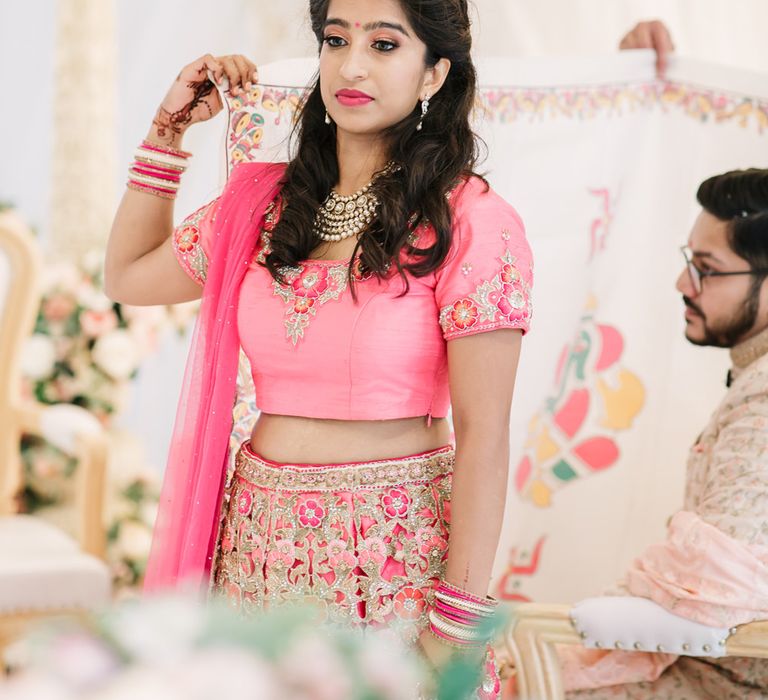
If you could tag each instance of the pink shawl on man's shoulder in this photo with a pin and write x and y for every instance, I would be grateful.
(188, 516)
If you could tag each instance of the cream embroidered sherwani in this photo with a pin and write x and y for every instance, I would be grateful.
(713, 565)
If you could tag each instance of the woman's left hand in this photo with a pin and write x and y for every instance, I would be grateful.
(433, 650)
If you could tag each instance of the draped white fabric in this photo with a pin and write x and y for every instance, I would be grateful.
(603, 166)
(603, 161)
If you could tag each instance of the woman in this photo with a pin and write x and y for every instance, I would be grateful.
(364, 280)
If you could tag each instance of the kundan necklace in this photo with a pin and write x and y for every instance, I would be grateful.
(340, 217)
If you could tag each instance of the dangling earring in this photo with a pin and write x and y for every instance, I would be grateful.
(327, 117)
(424, 108)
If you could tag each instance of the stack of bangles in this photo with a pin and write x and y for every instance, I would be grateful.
(157, 169)
(460, 619)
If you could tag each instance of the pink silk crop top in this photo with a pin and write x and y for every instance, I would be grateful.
(315, 352)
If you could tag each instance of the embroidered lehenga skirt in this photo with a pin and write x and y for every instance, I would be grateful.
(364, 541)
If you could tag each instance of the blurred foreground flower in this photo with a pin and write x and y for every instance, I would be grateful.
(177, 649)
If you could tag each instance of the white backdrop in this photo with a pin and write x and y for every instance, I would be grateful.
(602, 161)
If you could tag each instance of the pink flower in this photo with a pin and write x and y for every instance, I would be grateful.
(284, 553)
(303, 304)
(244, 502)
(58, 307)
(464, 314)
(311, 513)
(187, 238)
(430, 543)
(372, 549)
(512, 302)
(339, 555)
(395, 502)
(410, 603)
(312, 282)
(97, 323)
(509, 274)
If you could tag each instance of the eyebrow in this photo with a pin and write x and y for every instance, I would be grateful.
(699, 254)
(371, 26)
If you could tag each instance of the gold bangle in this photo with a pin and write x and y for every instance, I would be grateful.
(148, 190)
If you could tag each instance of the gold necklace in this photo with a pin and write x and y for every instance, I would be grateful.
(340, 217)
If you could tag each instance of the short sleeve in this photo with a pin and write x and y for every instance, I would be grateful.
(486, 279)
(193, 240)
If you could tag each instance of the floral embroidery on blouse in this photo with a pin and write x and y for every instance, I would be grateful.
(309, 285)
(187, 242)
(306, 289)
(271, 217)
(503, 302)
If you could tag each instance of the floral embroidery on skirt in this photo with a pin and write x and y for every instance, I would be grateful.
(365, 541)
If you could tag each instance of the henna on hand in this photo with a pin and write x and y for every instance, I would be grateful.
(172, 124)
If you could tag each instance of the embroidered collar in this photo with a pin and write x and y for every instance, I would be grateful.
(744, 354)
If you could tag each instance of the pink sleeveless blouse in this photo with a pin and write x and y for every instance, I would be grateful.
(317, 352)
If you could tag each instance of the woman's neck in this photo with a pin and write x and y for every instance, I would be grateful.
(359, 157)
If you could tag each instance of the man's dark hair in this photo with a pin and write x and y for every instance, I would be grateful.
(740, 197)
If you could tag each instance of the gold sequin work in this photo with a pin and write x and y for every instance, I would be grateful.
(366, 541)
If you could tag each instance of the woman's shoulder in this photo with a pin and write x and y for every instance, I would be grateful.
(476, 204)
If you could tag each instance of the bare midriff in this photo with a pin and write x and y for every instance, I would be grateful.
(298, 440)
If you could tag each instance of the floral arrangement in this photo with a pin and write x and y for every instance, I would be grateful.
(85, 350)
(175, 648)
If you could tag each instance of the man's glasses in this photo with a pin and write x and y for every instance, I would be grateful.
(697, 276)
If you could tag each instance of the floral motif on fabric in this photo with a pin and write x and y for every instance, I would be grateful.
(188, 245)
(306, 289)
(364, 542)
(271, 217)
(308, 286)
(503, 302)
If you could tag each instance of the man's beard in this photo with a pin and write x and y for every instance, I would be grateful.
(734, 330)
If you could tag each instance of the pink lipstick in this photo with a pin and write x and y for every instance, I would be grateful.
(353, 98)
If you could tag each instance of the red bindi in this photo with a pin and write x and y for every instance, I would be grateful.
(357, 24)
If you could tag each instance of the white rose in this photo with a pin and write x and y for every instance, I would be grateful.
(61, 275)
(134, 540)
(91, 298)
(92, 262)
(38, 357)
(149, 513)
(116, 353)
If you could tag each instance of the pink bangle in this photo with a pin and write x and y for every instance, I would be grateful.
(464, 595)
(455, 618)
(152, 173)
(154, 165)
(456, 614)
(151, 146)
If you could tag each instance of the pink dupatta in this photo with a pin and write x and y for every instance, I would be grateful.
(187, 522)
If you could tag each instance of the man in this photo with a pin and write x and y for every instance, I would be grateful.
(713, 566)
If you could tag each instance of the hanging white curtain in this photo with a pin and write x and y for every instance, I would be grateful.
(602, 161)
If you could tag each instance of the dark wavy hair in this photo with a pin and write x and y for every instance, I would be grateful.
(432, 160)
(740, 198)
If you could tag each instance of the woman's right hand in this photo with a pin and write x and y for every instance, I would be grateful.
(194, 98)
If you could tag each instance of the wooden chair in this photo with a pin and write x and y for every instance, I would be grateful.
(531, 637)
(43, 571)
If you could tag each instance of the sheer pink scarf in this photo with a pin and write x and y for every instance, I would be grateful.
(187, 521)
